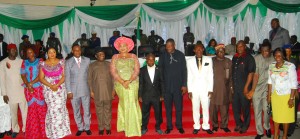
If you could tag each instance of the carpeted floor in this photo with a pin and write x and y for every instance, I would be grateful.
(151, 134)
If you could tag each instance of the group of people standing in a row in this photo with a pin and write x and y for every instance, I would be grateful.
(41, 88)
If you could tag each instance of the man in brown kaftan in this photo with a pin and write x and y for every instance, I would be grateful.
(221, 90)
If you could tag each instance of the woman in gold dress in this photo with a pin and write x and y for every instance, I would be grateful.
(125, 69)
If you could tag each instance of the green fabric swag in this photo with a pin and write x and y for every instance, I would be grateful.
(171, 6)
(33, 24)
(107, 12)
(221, 4)
(279, 7)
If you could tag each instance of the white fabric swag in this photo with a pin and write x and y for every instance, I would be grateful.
(32, 12)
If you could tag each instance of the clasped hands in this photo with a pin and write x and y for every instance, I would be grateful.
(125, 83)
(29, 86)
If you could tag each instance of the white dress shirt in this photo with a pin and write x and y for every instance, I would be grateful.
(77, 59)
(151, 71)
(1, 44)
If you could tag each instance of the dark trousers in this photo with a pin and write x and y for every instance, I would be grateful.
(293, 125)
(146, 106)
(213, 112)
(169, 99)
(241, 106)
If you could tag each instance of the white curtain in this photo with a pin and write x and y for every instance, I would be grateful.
(32, 12)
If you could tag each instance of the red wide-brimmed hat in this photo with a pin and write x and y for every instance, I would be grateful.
(121, 40)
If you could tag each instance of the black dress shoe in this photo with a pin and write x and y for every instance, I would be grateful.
(8, 133)
(14, 135)
(237, 129)
(195, 131)
(268, 133)
(258, 136)
(208, 131)
(181, 131)
(289, 134)
(88, 132)
(101, 132)
(108, 132)
(242, 131)
(168, 131)
(2, 135)
(78, 133)
(215, 129)
(226, 130)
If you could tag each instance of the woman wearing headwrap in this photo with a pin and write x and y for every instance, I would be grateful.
(125, 69)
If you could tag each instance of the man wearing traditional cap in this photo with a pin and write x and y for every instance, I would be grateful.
(76, 79)
(173, 66)
(3, 48)
(101, 88)
(23, 46)
(116, 35)
(54, 43)
(230, 49)
(222, 90)
(200, 87)
(11, 88)
(188, 39)
(259, 90)
(83, 42)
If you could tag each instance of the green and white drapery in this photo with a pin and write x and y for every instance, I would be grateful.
(219, 19)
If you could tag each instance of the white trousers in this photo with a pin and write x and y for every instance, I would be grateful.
(202, 99)
(14, 115)
(5, 118)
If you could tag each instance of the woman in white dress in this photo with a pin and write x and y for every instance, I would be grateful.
(52, 77)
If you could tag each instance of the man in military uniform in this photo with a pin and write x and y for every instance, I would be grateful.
(83, 42)
(155, 41)
(112, 39)
(188, 41)
(54, 42)
(23, 46)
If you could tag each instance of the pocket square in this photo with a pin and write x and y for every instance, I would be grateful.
(206, 64)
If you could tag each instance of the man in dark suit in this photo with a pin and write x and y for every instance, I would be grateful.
(3, 48)
(151, 93)
(173, 66)
(278, 36)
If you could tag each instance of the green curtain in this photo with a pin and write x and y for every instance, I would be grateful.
(171, 6)
(279, 7)
(33, 24)
(221, 4)
(107, 12)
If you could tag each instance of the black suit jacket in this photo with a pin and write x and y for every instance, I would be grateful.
(4, 51)
(147, 89)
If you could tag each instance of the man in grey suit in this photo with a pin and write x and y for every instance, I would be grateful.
(76, 74)
(278, 36)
